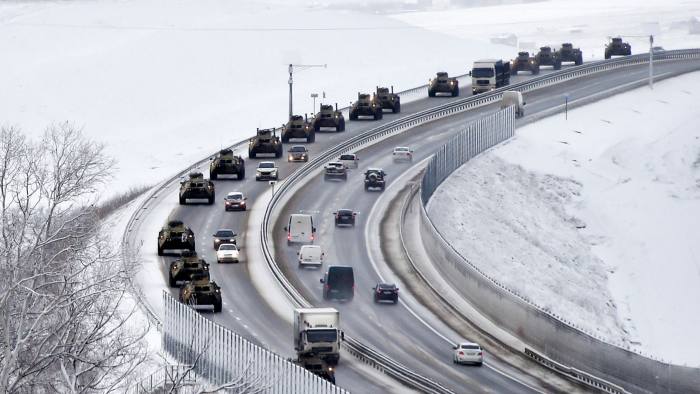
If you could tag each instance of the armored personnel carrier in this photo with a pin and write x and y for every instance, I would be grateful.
(187, 266)
(388, 99)
(226, 163)
(442, 83)
(196, 187)
(546, 57)
(265, 141)
(567, 53)
(329, 117)
(525, 62)
(374, 179)
(175, 236)
(298, 127)
(617, 48)
(201, 291)
(366, 105)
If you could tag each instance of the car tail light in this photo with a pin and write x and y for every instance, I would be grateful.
(289, 236)
(312, 237)
(461, 353)
(480, 353)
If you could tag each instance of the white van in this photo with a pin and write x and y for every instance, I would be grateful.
(512, 97)
(300, 229)
(310, 256)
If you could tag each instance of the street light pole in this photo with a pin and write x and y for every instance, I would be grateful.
(313, 96)
(291, 79)
(651, 61)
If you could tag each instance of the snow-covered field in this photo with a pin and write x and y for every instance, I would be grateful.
(595, 218)
(165, 83)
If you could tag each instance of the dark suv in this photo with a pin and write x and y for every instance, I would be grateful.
(338, 283)
(386, 292)
(374, 179)
(224, 236)
(345, 217)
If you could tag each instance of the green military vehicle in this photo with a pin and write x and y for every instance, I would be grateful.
(525, 62)
(388, 99)
(175, 236)
(201, 291)
(567, 53)
(298, 127)
(226, 163)
(329, 117)
(617, 48)
(196, 188)
(547, 57)
(366, 105)
(187, 266)
(265, 141)
(442, 83)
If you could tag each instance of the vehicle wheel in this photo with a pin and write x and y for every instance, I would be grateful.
(479, 364)
(160, 251)
(211, 200)
(278, 152)
(397, 108)
(182, 201)
(381, 113)
(431, 93)
(251, 154)
(341, 125)
(217, 306)
(454, 360)
(285, 139)
(241, 174)
(536, 70)
(317, 127)
(171, 281)
(455, 91)
(213, 175)
(579, 60)
(366, 187)
(311, 137)
(607, 55)
(557, 65)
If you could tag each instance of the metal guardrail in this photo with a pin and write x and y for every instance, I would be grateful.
(384, 363)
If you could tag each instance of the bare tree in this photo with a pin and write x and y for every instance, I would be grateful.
(63, 326)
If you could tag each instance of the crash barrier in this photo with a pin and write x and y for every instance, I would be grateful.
(169, 378)
(615, 368)
(229, 360)
(372, 357)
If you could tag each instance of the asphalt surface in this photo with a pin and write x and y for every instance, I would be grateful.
(389, 328)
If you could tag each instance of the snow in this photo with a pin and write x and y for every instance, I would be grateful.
(594, 218)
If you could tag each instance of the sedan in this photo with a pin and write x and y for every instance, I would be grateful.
(468, 352)
(402, 153)
(235, 201)
(227, 253)
(386, 292)
(224, 236)
(345, 217)
(298, 153)
(349, 160)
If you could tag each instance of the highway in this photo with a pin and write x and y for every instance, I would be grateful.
(389, 328)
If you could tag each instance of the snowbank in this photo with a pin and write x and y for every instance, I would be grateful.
(594, 218)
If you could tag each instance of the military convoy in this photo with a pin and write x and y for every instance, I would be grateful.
(196, 187)
(617, 48)
(265, 141)
(226, 163)
(201, 291)
(298, 127)
(189, 265)
(388, 99)
(329, 117)
(175, 236)
(525, 62)
(366, 105)
(567, 53)
(546, 57)
(442, 83)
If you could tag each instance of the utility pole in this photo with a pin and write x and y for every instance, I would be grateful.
(651, 61)
(291, 79)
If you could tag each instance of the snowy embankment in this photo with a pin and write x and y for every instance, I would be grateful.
(594, 218)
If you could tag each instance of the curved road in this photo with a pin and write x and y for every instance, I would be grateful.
(391, 329)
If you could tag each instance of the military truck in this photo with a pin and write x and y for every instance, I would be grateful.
(388, 99)
(617, 48)
(196, 187)
(442, 83)
(567, 53)
(545, 57)
(201, 291)
(525, 62)
(366, 105)
(374, 179)
(329, 117)
(226, 163)
(298, 127)
(187, 266)
(265, 141)
(175, 236)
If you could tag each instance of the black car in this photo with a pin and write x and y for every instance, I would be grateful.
(374, 179)
(345, 217)
(386, 292)
(224, 236)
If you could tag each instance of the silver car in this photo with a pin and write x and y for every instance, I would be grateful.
(468, 352)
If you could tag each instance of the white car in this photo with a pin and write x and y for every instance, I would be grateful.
(267, 170)
(349, 160)
(227, 253)
(402, 153)
(468, 352)
(310, 256)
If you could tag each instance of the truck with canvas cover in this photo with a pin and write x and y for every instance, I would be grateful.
(329, 117)
(489, 74)
(226, 163)
(265, 141)
(317, 333)
(195, 187)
